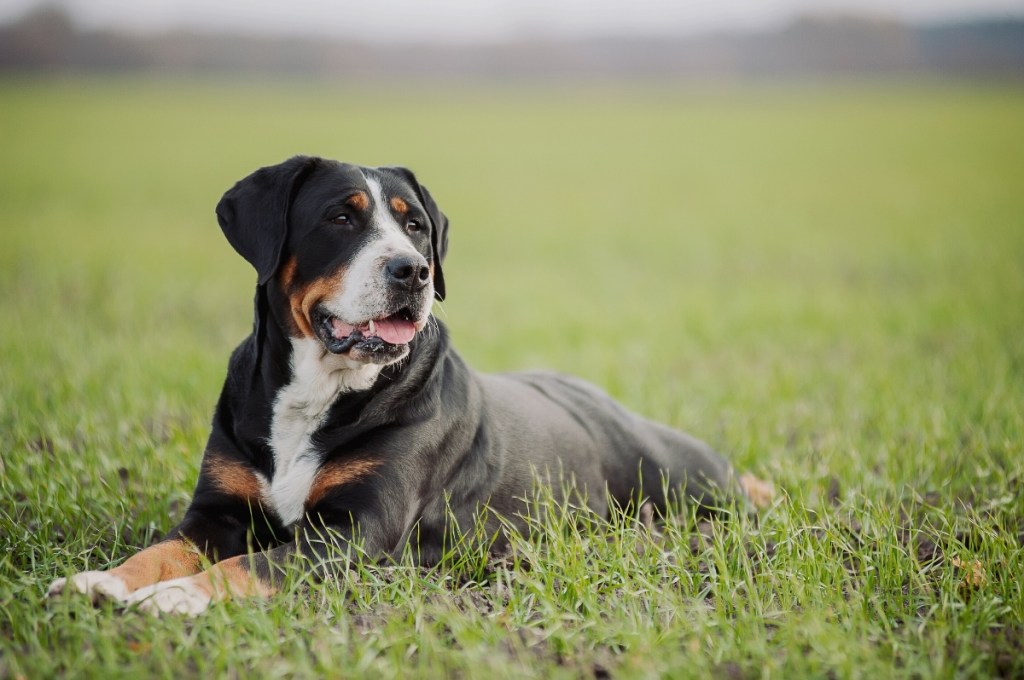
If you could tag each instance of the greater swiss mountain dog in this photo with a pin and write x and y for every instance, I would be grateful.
(347, 408)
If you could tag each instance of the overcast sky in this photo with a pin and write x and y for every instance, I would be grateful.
(472, 20)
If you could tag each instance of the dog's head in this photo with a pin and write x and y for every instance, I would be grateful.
(355, 251)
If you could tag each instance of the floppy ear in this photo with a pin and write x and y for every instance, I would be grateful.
(253, 214)
(438, 238)
(438, 229)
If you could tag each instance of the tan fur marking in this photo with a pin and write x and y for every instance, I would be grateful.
(359, 201)
(303, 298)
(399, 205)
(338, 473)
(287, 275)
(760, 492)
(232, 477)
(170, 559)
(318, 290)
(230, 578)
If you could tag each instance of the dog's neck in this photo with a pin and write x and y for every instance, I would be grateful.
(319, 379)
(322, 374)
(303, 382)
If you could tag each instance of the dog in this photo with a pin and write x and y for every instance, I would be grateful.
(347, 409)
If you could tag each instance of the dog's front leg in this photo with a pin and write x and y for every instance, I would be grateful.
(344, 501)
(199, 537)
(348, 506)
(168, 559)
(321, 551)
(216, 526)
(191, 595)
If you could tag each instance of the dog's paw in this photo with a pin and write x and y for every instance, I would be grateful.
(178, 596)
(98, 585)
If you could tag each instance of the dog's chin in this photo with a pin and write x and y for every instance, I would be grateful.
(376, 351)
(380, 341)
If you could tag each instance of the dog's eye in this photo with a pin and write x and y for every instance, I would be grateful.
(414, 226)
(341, 219)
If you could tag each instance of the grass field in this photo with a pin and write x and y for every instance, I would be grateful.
(827, 284)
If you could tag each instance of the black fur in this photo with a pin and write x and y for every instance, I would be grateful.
(443, 435)
(253, 212)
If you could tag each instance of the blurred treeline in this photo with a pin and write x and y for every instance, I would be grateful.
(47, 40)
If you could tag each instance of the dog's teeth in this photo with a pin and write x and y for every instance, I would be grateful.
(373, 328)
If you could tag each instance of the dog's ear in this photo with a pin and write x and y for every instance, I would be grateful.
(438, 229)
(438, 238)
(253, 214)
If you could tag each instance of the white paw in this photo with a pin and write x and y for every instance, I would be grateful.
(98, 585)
(178, 596)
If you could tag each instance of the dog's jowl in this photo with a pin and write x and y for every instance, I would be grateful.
(348, 412)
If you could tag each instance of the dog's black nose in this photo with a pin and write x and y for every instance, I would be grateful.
(407, 271)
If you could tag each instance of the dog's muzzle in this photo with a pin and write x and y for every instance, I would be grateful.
(376, 339)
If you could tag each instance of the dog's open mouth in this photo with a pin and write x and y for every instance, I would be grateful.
(385, 336)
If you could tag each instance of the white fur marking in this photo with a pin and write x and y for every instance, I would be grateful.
(365, 295)
(319, 377)
(98, 585)
(382, 217)
(177, 596)
(299, 411)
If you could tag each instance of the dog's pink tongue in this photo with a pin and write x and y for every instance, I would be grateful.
(395, 331)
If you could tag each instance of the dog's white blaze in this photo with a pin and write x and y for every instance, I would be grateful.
(319, 377)
(365, 293)
(299, 410)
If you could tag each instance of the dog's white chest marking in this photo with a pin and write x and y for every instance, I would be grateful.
(299, 411)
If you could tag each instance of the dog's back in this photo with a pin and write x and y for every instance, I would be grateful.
(560, 424)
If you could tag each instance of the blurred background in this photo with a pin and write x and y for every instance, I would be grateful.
(793, 228)
(790, 226)
(509, 40)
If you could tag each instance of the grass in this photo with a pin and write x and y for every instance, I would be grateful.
(824, 283)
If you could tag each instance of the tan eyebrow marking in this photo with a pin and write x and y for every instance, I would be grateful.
(359, 200)
(399, 205)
